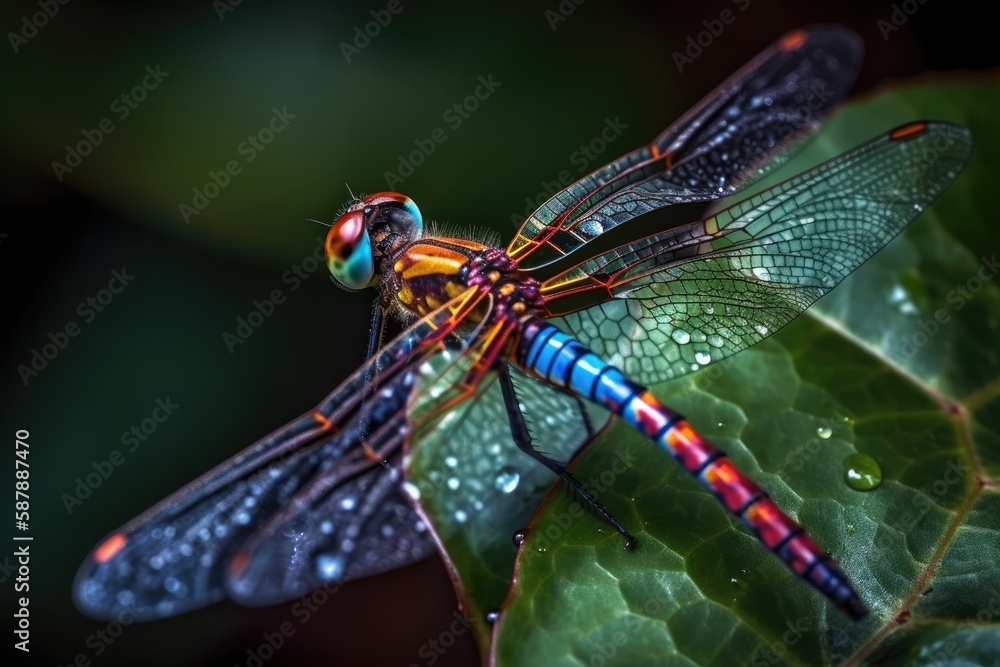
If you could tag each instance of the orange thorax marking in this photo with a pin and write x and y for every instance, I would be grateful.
(428, 274)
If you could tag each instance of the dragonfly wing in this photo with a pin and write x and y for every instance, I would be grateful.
(176, 556)
(350, 521)
(702, 292)
(476, 487)
(781, 94)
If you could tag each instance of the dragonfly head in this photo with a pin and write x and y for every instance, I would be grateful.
(370, 232)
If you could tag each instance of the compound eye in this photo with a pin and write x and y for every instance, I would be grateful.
(349, 251)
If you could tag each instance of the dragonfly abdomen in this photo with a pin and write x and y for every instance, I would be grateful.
(554, 356)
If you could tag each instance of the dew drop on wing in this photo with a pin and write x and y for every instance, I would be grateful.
(329, 567)
(507, 479)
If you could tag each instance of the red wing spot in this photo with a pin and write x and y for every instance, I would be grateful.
(110, 547)
(239, 564)
(793, 40)
(668, 159)
(908, 131)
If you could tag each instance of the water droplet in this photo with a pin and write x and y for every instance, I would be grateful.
(348, 503)
(411, 490)
(451, 462)
(519, 537)
(329, 567)
(326, 527)
(824, 431)
(492, 616)
(454, 483)
(703, 358)
(507, 479)
(680, 336)
(461, 516)
(863, 472)
(847, 419)
(742, 580)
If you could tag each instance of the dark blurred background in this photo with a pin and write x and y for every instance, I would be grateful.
(353, 108)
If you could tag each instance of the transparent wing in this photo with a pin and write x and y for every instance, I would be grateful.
(692, 295)
(781, 94)
(181, 554)
(476, 487)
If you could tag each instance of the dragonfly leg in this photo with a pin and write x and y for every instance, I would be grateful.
(377, 328)
(522, 438)
(374, 343)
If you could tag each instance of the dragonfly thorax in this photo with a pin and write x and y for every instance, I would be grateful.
(430, 272)
(380, 240)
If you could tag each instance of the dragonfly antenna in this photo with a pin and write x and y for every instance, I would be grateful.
(325, 224)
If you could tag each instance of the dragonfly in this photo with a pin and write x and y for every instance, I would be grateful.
(550, 324)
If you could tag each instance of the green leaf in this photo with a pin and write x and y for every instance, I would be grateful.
(899, 364)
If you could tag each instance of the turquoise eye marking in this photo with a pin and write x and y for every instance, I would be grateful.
(358, 269)
(349, 255)
(418, 219)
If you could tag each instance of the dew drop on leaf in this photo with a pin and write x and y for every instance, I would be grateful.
(863, 472)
